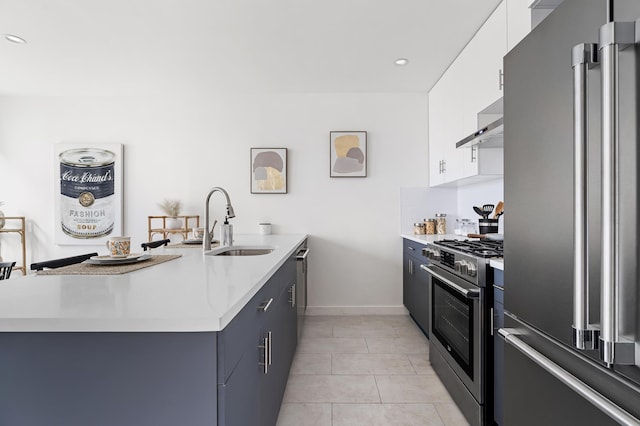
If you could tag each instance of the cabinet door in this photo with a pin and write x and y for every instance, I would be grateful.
(239, 398)
(518, 21)
(437, 133)
(280, 329)
(482, 59)
(422, 297)
(408, 269)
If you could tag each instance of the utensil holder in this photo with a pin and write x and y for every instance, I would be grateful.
(488, 226)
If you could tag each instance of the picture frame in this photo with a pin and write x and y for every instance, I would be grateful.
(347, 154)
(269, 171)
(88, 193)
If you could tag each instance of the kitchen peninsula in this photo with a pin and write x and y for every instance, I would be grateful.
(197, 340)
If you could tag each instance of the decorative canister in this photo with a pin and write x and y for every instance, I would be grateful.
(429, 226)
(441, 223)
(87, 200)
(418, 228)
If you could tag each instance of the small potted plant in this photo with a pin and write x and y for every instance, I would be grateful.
(171, 209)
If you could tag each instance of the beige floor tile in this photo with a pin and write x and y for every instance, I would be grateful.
(409, 330)
(371, 364)
(385, 415)
(411, 389)
(332, 345)
(328, 388)
(364, 330)
(397, 345)
(421, 364)
(321, 329)
(305, 415)
(451, 415)
(311, 363)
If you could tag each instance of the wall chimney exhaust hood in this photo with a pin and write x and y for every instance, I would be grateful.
(490, 136)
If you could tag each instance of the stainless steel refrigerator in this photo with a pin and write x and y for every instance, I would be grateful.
(572, 282)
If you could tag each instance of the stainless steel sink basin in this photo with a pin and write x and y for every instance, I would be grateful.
(241, 251)
(244, 252)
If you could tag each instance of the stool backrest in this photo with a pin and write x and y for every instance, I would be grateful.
(5, 269)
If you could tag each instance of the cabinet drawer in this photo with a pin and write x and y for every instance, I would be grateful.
(244, 332)
(413, 248)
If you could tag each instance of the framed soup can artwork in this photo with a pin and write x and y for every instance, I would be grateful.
(88, 194)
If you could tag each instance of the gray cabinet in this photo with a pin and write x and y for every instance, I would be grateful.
(255, 352)
(415, 284)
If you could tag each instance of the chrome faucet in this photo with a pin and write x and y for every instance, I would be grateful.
(206, 239)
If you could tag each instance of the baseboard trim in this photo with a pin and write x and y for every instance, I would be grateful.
(357, 310)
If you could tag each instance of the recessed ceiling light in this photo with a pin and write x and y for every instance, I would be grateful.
(15, 39)
(401, 61)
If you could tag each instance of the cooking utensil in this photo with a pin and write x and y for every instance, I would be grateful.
(487, 209)
(478, 210)
(498, 210)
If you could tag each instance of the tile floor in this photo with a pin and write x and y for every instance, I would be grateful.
(365, 370)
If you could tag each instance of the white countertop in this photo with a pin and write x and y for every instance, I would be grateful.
(190, 294)
(423, 239)
(497, 263)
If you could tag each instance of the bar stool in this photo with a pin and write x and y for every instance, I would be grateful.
(58, 263)
(153, 244)
(5, 269)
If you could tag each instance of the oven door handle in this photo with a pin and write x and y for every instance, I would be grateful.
(469, 294)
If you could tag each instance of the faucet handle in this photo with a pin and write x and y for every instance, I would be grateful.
(212, 228)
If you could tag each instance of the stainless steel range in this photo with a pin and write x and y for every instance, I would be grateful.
(461, 302)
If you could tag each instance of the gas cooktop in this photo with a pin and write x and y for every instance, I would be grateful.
(483, 249)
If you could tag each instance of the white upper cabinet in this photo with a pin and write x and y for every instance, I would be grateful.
(518, 21)
(472, 83)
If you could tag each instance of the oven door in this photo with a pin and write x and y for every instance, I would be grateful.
(456, 326)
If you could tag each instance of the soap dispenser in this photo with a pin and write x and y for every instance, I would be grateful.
(227, 233)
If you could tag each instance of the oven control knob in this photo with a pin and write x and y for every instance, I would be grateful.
(464, 267)
(433, 254)
(472, 270)
(457, 265)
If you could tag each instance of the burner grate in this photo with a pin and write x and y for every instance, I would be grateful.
(484, 249)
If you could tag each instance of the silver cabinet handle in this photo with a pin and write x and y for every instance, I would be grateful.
(469, 294)
(583, 57)
(605, 405)
(265, 305)
(292, 295)
(269, 344)
(500, 79)
(303, 256)
(265, 355)
(614, 37)
(411, 248)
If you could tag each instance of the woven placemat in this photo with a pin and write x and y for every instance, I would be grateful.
(88, 269)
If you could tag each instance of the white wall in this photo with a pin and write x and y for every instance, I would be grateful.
(478, 194)
(180, 147)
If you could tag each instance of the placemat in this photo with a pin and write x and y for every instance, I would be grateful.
(87, 269)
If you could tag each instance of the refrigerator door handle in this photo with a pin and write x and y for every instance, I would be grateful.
(585, 336)
(621, 416)
(614, 37)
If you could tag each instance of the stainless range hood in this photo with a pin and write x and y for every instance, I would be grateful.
(490, 136)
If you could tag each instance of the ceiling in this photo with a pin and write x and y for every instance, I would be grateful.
(124, 47)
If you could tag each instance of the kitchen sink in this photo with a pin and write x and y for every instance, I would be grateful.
(241, 251)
